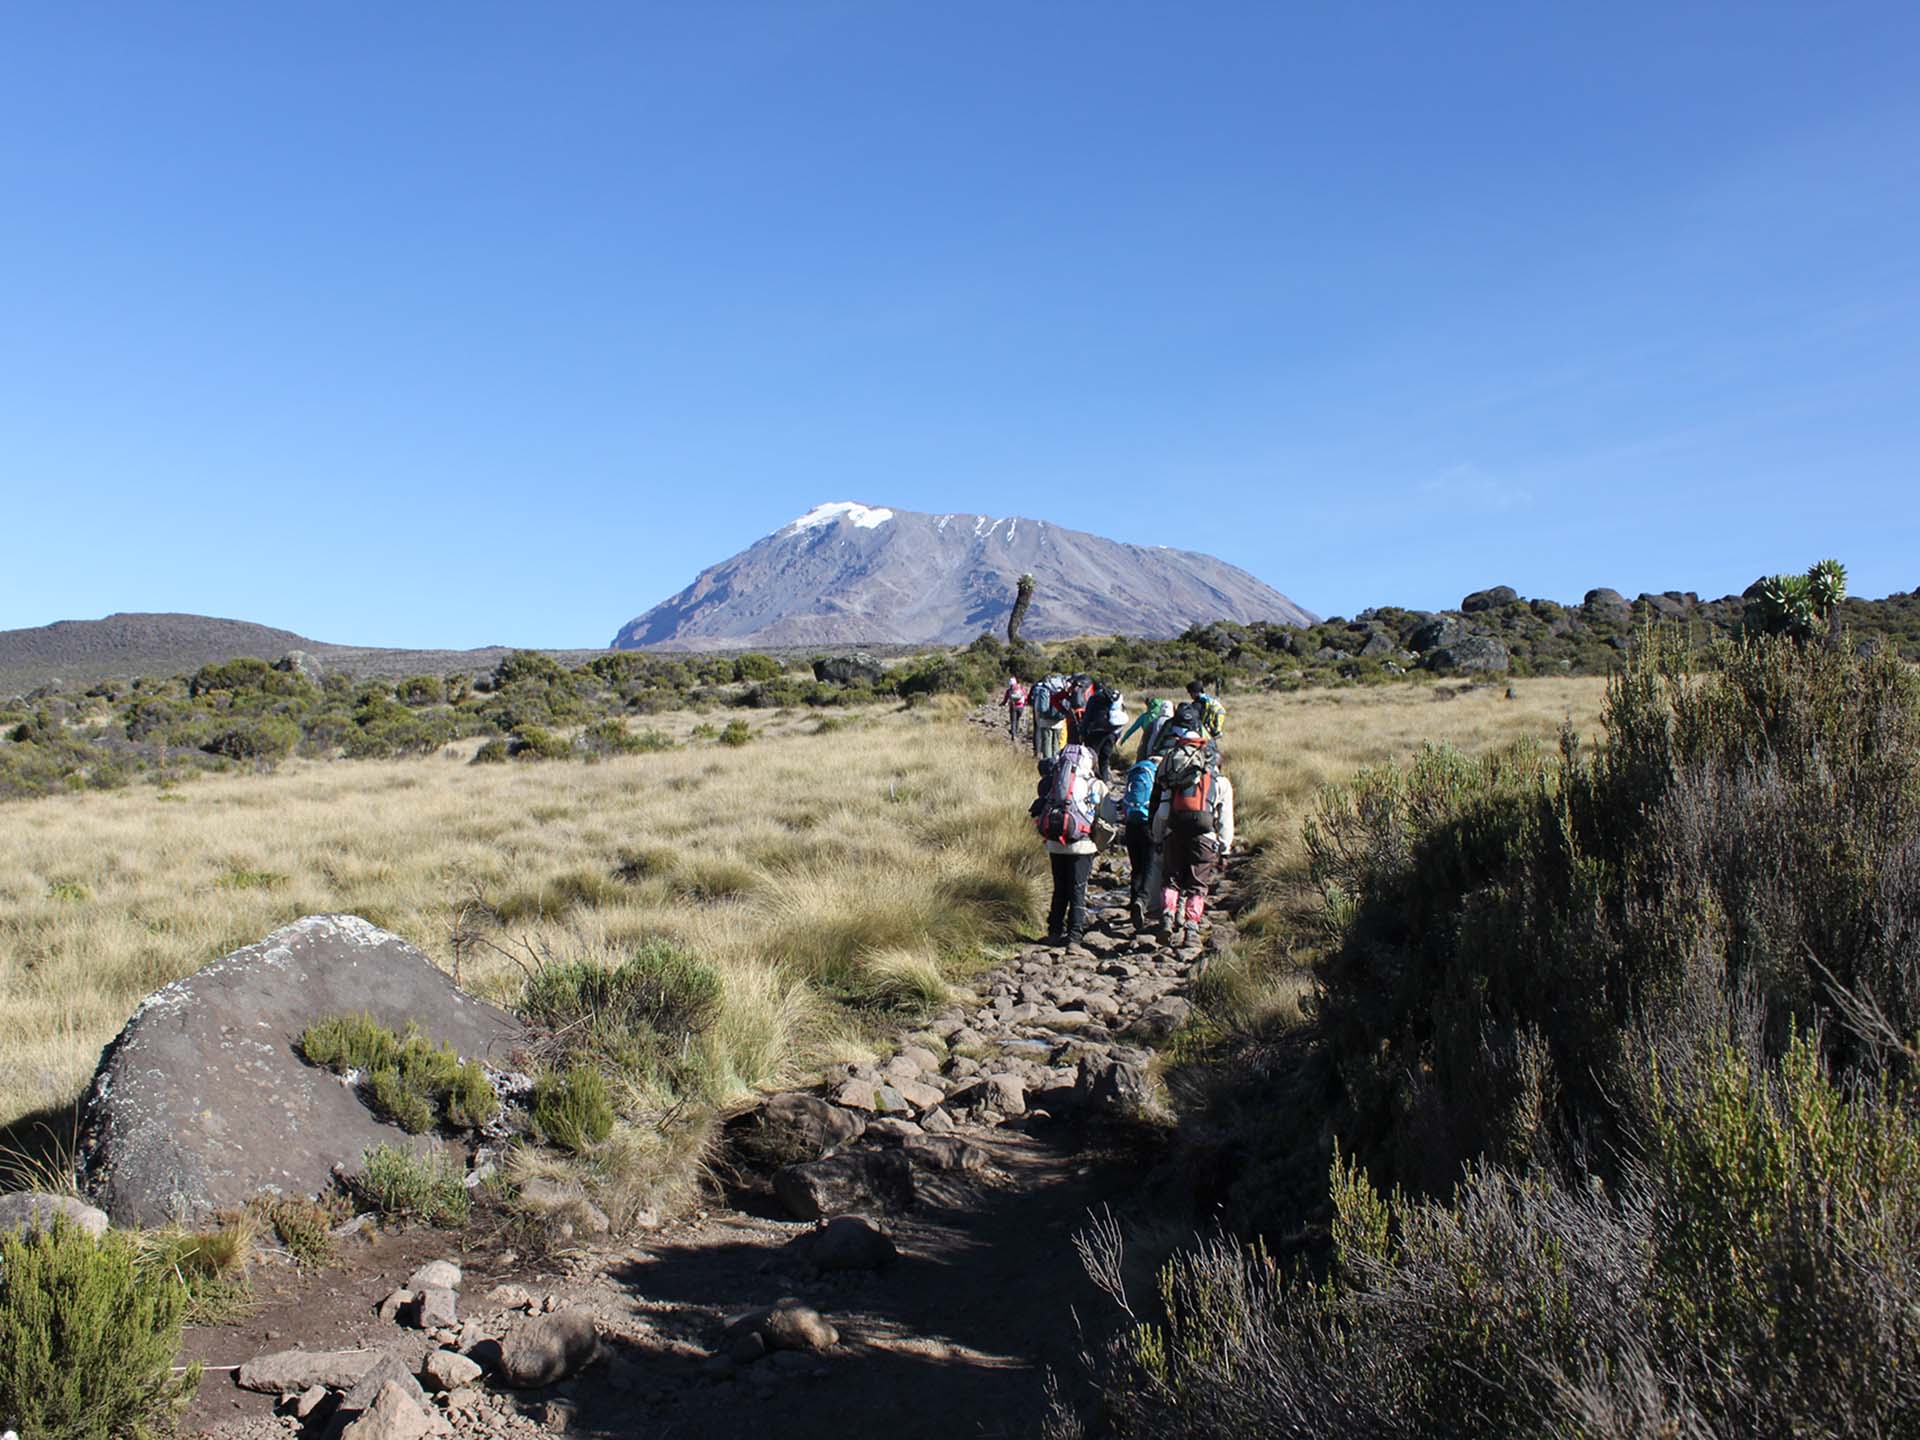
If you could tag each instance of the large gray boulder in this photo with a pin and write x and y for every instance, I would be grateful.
(1469, 653)
(1492, 598)
(27, 1211)
(848, 670)
(1436, 631)
(202, 1100)
(299, 662)
(1605, 604)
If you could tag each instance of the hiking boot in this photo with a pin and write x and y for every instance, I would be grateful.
(1138, 910)
(1169, 927)
(1054, 942)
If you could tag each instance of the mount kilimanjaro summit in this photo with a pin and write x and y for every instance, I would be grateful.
(846, 573)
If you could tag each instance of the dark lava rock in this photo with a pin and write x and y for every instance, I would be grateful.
(1469, 653)
(847, 1242)
(546, 1349)
(865, 1180)
(1490, 599)
(1438, 631)
(848, 670)
(792, 1128)
(1114, 1081)
(1606, 604)
(202, 1100)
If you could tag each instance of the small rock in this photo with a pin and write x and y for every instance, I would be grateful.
(847, 1242)
(900, 1067)
(433, 1309)
(1108, 1082)
(747, 1347)
(550, 1348)
(937, 1122)
(510, 1297)
(463, 1402)
(435, 1275)
(395, 1304)
(858, 1095)
(788, 1325)
(795, 1127)
(388, 1368)
(448, 1370)
(310, 1400)
(1160, 1019)
(841, 1183)
(289, 1372)
(1006, 1094)
(393, 1415)
(945, 1152)
(890, 1129)
(29, 1211)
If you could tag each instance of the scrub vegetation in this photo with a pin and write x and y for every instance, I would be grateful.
(1600, 1117)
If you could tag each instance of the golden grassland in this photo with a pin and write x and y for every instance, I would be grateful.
(836, 875)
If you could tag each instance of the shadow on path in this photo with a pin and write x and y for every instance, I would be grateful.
(953, 1339)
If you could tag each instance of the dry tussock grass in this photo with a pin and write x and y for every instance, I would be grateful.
(837, 880)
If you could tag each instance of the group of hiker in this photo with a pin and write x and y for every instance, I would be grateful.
(1174, 808)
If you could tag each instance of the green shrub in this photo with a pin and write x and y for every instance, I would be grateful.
(304, 1227)
(535, 742)
(756, 667)
(491, 752)
(418, 690)
(636, 1017)
(572, 1109)
(1755, 1278)
(1501, 924)
(611, 737)
(269, 737)
(406, 1078)
(410, 1186)
(1612, 990)
(737, 733)
(88, 1336)
(242, 674)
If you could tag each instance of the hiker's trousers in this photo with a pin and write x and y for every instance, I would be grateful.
(1067, 915)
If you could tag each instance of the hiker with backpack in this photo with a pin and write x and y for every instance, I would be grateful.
(1065, 812)
(1014, 697)
(1147, 724)
(1100, 725)
(1213, 715)
(1072, 704)
(1048, 704)
(1143, 851)
(1193, 820)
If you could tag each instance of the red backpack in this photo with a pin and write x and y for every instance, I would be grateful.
(1192, 775)
(1064, 811)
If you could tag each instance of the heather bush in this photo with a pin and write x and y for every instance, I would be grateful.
(1629, 1034)
(88, 1334)
(1505, 925)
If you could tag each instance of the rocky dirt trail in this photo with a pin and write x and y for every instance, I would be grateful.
(895, 1259)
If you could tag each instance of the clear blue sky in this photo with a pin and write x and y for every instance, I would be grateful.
(469, 322)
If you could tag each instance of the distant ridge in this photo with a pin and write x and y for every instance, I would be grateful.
(848, 573)
(122, 646)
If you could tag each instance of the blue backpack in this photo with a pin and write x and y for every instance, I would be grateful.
(1137, 803)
